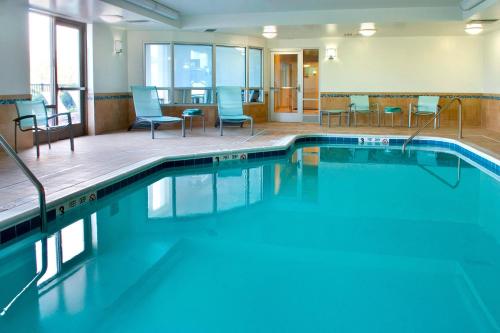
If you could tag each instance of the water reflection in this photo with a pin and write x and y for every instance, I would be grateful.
(203, 194)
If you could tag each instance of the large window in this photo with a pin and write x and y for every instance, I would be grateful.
(255, 90)
(192, 69)
(230, 66)
(190, 78)
(159, 69)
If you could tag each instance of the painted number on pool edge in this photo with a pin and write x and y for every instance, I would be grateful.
(373, 140)
(230, 157)
(76, 202)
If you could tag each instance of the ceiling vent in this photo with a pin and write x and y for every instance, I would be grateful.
(488, 21)
(210, 30)
(137, 21)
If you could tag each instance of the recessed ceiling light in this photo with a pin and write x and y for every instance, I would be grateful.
(270, 31)
(474, 28)
(111, 18)
(367, 29)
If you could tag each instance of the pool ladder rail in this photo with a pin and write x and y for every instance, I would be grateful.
(43, 221)
(437, 114)
(39, 187)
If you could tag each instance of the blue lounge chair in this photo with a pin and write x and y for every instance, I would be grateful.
(361, 104)
(33, 116)
(426, 106)
(230, 107)
(148, 110)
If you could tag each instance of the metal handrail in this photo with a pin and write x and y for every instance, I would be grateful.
(437, 114)
(33, 179)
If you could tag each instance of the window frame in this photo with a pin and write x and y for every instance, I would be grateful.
(171, 90)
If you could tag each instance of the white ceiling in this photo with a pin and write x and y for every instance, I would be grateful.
(455, 28)
(204, 7)
(294, 18)
(91, 10)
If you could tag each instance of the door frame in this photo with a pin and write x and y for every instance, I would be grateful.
(281, 116)
(78, 129)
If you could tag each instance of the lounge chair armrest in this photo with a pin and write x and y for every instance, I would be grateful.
(66, 114)
(18, 119)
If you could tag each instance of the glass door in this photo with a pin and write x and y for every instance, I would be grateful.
(57, 72)
(70, 71)
(286, 83)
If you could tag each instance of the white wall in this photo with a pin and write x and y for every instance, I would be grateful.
(408, 64)
(110, 69)
(14, 47)
(491, 70)
(136, 40)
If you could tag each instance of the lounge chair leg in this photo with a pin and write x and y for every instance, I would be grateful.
(47, 132)
(203, 120)
(355, 120)
(71, 136)
(320, 118)
(340, 119)
(328, 119)
(152, 130)
(183, 125)
(220, 124)
(392, 119)
(15, 137)
(36, 143)
(251, 125)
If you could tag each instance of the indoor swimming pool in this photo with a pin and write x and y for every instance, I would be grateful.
(327, 238)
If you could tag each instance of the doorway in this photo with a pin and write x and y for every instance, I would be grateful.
(57, 67)
(311, 100)
(286, 82)
(294, 93)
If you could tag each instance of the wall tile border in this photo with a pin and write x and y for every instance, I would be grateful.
(12, 99)
(410, 95)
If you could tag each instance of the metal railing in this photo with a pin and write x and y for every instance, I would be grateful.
(437, 114)
(33, 179)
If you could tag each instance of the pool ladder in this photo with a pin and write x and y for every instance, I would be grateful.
(33, 179)
(43, 222)
(437, 114)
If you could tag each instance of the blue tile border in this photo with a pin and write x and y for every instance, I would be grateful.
(478, 96)
(9, 101)
(111, 97)
(31, 225)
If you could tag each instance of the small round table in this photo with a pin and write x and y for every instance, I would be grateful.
(332, 112)
(392, 110)
(191, 113)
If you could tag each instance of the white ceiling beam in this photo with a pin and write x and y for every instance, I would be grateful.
(378, 15)
(146, 12)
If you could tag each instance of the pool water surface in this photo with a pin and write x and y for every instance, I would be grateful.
(325, 239)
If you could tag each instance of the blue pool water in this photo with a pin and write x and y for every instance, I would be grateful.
(326, 239)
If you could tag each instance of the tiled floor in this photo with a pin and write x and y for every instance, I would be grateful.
(97, 158)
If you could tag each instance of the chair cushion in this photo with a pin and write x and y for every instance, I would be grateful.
(162, 119)
(192, 112)
(235, 118)
(392, 109)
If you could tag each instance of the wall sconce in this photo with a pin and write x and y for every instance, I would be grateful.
(331, 53)
(118, 46)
